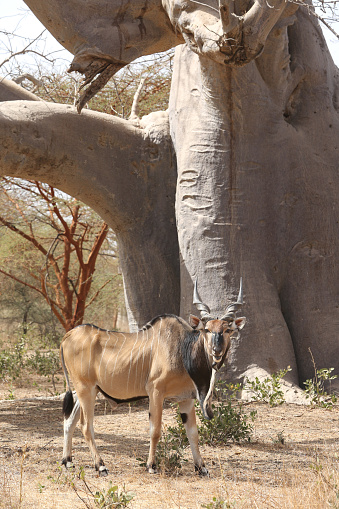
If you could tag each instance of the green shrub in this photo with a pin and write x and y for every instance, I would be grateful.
(17, 361)
(171, 447)
(315, 388)
(44, 363)
(113, 498)
(12, 361)
(218, 503)
(229, 423)
(269, 389)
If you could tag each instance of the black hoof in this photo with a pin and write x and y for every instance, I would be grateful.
(103, 471)
(152, 469)
(202, 470)
(67, 462)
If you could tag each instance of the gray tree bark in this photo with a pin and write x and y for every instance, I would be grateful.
(118, 170)
(257, 195)
(255, 128)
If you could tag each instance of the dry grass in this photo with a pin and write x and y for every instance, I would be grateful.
(301, 473)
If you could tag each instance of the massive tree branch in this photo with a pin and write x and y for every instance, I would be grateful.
(50, 143)
(105, 35)
(10, 91)
(126, 174)
(231, 34)
(105, 39)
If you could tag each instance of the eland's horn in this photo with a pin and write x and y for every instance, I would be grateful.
(235, 306)
(204, 310)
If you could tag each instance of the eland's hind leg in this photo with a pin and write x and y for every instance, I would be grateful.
(187, 412)
(87, 396)
(69, 427)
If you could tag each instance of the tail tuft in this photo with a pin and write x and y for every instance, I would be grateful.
(68, 404)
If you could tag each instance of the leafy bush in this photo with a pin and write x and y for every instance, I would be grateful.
(315, 388)
(229, 423)
(114, 497)
(170, 454)
(170, 450)
(44, 363)
(218, 503)
(16, 361)
(269, 389)
(12, 361)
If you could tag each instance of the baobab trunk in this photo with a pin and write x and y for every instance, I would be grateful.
(257, 155)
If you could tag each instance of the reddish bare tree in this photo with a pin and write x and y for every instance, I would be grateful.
(68, 239)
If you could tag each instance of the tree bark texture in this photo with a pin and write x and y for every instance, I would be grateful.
(125, 173)
(256, 148)
(257, 194)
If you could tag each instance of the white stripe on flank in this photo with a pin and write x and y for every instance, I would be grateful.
(112, 355)
(150, 357)
(72, 338)
(143, 350)
(138, 357)
(103, 352)
(150, 354)
(82, 354)
(159, 337)
(116, 360)
(130, 362)
(90, 349)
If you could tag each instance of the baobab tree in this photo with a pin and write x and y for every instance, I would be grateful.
(240, 178)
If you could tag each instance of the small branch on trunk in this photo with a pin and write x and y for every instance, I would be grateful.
(135, 105)
(37, 83)
(21, 281)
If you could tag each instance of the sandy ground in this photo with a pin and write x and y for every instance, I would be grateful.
(301, 473)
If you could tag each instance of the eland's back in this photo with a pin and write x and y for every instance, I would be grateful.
(121, 364)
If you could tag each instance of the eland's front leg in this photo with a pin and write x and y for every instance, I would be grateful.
(155, 415)
(187, 412)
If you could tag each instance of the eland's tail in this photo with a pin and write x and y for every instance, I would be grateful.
(68, 403)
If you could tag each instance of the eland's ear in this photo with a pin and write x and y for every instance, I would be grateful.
(195, 322)
(240, 322)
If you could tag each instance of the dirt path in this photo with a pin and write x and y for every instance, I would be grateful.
(301, 473)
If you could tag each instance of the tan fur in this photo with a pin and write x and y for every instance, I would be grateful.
(122, 364)
(128, 365)
(131, 365)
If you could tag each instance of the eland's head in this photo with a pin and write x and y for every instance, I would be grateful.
(216, 334)
(217, 331)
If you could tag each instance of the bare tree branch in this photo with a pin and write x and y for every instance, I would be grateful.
(37, 83)
(26, 50)
(68, 296)
(135, 105)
